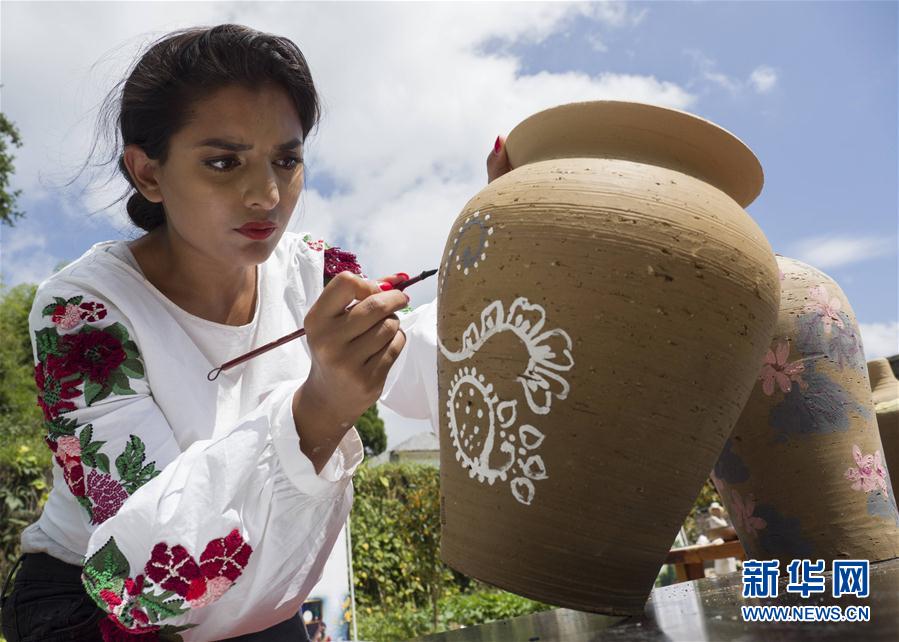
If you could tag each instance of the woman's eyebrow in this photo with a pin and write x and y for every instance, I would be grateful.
(238, 147)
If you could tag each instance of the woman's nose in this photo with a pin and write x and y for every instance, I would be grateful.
(262, 189)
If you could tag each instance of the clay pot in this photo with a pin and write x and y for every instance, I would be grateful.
(885, 394)
(602, 309)
(803, 475)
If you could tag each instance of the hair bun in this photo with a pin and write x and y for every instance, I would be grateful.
(145, 214)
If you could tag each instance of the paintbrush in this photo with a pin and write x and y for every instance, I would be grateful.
(213, 374)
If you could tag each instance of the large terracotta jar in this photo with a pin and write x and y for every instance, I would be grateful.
(803, 474)
(603, 308)
(885, 394)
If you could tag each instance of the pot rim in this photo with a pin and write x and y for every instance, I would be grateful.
(640, 132)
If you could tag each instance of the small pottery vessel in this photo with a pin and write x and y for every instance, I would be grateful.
(803, 474)
(885, 394)
(602, 309)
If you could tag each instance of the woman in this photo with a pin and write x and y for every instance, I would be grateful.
(183, 508)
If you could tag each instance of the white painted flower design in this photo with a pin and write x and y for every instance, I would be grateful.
(482, 426)
(549, 352)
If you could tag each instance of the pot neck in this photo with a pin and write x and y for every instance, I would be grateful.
(642, 133)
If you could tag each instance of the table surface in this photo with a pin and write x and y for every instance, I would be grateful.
(703, 610)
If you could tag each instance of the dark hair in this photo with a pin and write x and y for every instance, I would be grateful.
(186, 66)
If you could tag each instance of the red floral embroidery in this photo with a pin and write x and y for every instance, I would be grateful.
(91, 311)
(94, 354)
(135, 586)
(318, 245)
(106, 494)
(110, 598)
(67, 451)
(337, 261)
(212, 590)
(173, 569)
(57, 382)
(139, 616)
(226, 556)
(132, 603)
(73, 473)
(66, 316)
(104, 360)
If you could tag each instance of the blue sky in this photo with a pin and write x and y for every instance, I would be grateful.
(415, 94)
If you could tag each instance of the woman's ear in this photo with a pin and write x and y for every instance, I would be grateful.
(143, 171)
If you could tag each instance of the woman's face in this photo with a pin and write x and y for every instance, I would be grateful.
(239, 160)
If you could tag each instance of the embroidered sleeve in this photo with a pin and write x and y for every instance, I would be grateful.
(83, 360)
(178, 543)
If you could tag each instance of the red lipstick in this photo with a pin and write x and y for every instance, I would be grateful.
(257, 230)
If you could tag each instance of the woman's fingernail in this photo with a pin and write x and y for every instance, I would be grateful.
(402, 275)
(498, 145)
(385, 286)
(408, 298)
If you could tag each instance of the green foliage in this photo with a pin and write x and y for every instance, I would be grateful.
(383, 624)
(409, 621)
(402, 588)
(371, 430)
(24, 458)
(396, 537)
(486, 606)
(8, 211)
(25, 481)
(17, 391)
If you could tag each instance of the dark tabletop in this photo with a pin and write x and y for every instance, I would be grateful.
(703, 610)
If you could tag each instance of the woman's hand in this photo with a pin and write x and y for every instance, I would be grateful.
(352, 352)
(498, 160)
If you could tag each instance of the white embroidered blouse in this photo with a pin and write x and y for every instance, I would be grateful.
(189, 502)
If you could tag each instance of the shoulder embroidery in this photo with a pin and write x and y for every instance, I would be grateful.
(75, 359)
(172, 583)
(336, 260)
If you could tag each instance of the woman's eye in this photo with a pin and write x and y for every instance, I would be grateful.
(292, 163)
(211, 164)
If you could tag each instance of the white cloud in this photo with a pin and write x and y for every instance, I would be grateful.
(763, 79)
(412, 101)
(880, 339)
(616, 14)
(596, 43)
(23, 258)
(826, 252)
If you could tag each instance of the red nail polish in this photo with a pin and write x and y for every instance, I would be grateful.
(402, 275)
(498, 145)
(385, 286)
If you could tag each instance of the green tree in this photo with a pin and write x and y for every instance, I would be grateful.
(371, 430)
(17, 389)
(8, 211)
(403, 589)
(24, 459)
(396, 538)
